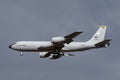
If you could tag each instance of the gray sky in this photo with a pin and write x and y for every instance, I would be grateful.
(43, 19)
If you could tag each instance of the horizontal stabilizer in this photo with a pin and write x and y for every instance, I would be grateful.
(103, 43)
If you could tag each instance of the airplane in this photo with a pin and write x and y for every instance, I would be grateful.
(57, 47)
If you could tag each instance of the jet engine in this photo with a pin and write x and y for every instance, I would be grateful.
(44, 54)
(55, 56)
(58, 39)
(107, 45)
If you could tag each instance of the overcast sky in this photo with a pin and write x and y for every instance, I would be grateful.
(44, 19)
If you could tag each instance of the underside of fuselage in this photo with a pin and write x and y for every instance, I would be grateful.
(49, 50)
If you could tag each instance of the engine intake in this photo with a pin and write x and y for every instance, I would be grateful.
(44, 54)
(55, 56)
(107, 45)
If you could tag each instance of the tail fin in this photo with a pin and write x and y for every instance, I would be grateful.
(99, 35)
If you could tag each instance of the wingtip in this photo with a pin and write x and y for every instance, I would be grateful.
(79, 32)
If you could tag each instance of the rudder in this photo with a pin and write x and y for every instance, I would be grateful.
(99, 35)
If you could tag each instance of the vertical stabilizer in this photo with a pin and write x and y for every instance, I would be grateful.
(99, 35)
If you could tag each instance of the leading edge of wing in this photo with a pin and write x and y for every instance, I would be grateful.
(73, 35)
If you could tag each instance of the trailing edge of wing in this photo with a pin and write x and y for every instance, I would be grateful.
(73, 35)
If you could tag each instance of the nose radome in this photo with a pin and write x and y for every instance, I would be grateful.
(10, 46)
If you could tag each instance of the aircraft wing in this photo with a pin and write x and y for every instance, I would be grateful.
(72, 35)
(60, 41)
(69, 37)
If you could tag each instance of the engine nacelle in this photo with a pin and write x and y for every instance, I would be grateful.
(58, 39)
(107, 45)
(55, 56)
(44, 54)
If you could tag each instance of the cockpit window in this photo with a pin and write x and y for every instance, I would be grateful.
(20, 45)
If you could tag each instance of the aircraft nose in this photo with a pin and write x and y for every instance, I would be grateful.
(10, 46)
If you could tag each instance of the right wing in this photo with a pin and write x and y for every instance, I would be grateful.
(58, 42)
(72, 35)
(66, 39)
(69, 37)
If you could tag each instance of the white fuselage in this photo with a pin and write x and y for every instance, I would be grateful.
(58, 45)
(46, 46)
